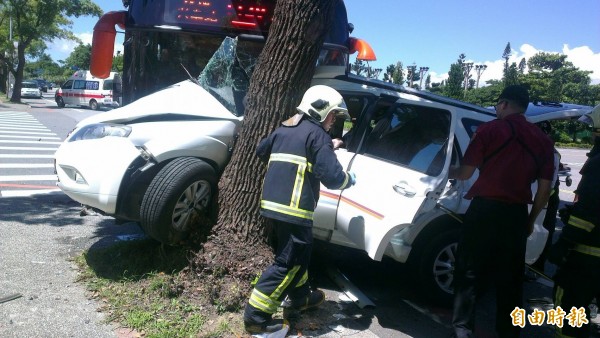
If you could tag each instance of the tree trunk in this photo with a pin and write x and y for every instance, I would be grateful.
(237, 250)
(16, 94)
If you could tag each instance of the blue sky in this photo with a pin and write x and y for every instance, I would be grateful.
(432, 33)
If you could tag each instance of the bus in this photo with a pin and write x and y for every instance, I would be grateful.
(168, 41)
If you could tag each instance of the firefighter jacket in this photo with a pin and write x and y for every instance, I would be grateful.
(300, 158)
(583, 227)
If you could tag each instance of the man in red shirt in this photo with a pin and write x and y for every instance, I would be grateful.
(511, 154)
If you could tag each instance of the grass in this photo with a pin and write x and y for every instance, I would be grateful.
(139, 285)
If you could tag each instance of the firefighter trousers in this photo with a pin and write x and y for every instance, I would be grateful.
(577, 282)
(287, 275)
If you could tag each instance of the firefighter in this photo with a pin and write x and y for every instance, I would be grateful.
(577, 251)
(300, 156)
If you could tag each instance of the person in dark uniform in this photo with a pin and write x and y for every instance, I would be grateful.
(577, 251)
(300, 155)
(510, 154)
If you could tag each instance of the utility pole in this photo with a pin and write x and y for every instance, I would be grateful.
(467, 66)
(479, 69)
(422, 72)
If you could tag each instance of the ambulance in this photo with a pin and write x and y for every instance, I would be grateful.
(83, 89)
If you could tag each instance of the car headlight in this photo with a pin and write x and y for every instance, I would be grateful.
(100, 130)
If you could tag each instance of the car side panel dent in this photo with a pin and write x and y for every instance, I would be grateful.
(375, 240)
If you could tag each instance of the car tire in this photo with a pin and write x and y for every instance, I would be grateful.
(176, 199)
(436, 267)
(93, 104)
(60, 102)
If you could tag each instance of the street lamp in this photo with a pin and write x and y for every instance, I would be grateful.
(422, 71)
(467, 66)
(479, 69)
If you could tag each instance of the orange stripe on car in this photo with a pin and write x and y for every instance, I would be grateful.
(356, 205)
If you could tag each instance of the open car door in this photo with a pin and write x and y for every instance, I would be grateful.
(401, 169)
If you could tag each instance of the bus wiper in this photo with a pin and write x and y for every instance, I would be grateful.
(193, 79)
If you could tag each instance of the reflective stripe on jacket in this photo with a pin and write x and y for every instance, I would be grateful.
(582, 227)
(300, 158)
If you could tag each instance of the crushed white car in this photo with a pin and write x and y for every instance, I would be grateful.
(157, 161)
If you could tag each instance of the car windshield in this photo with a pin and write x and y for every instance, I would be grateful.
(29, 85)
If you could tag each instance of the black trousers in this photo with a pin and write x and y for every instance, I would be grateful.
(287, 275)
(493, 240)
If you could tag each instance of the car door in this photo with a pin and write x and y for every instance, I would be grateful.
(66, 91)
(79, 87)
(401, 169)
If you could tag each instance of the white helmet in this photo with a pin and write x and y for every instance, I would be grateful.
(319, 100)
(592, 118)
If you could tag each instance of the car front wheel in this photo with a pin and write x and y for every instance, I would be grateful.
(60, 102)
(436, 268)
(177, 198)
(93, 104)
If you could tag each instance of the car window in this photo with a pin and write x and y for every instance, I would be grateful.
(471, 125)
(29, 85)
(67, 85)
(92, 85)
(412, 136)
(107, 85)
(79, 84)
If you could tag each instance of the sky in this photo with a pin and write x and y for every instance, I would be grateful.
(433, 33)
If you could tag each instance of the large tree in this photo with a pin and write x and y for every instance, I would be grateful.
(236, 250)
(35, 21)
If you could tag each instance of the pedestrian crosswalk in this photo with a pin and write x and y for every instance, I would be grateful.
(27, 150)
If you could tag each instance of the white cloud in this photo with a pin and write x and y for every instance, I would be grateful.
(582, 57)
(61, 49)
(585, 59)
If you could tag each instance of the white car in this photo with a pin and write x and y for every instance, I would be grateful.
(157, 160)
(30, 89)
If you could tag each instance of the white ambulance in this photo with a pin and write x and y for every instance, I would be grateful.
(83, 89)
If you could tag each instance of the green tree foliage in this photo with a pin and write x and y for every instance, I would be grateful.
(506, 55)
(512, 75)
(552, 78)
(44, 67)
(118, 63)
(453, 87)
(394, 73)
(36, 21)
(79, 58)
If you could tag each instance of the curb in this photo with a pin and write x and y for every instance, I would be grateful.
(13, 106)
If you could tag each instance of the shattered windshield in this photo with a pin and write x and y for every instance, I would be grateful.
(227, 73)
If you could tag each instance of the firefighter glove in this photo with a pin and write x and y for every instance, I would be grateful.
(352, 178)
(565, 212)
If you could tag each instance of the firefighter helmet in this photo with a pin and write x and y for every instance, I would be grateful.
(319, 100)
(592, 118)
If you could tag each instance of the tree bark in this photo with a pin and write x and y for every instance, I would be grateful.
(237, 250)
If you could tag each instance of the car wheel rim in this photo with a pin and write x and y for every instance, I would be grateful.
(443, 267)
(192, 202)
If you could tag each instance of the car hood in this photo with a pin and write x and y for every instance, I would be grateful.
(540, 111)
(181, 99)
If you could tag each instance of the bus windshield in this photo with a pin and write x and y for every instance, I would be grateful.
(227, 74)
